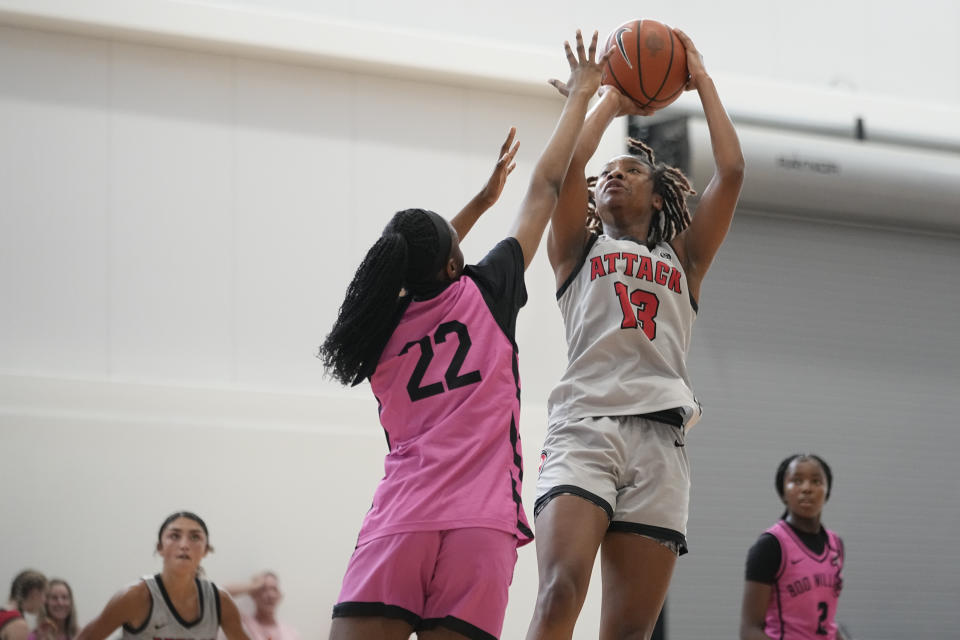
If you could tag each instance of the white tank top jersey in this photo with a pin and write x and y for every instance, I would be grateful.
(628, 317)
(164, 623)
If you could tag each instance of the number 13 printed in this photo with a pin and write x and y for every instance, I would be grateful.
(646, 305)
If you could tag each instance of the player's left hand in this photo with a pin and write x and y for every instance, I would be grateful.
(491, 191)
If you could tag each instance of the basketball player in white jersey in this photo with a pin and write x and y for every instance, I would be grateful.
(629, 262)
(175, 604)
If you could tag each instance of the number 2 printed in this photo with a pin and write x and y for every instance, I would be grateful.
(824, 610)
(453, 377)
(646, 305)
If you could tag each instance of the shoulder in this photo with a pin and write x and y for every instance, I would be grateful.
(766, 542)
(506, 252)
(132, 604)
(132, 594)
(14, 628)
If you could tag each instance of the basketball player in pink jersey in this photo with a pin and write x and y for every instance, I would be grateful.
(794, 570)
(436, 550)
(629, 262)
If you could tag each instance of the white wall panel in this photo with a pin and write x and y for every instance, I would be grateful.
(294, 203)
(54, 186)
(172, 197)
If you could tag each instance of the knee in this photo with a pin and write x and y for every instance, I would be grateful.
(560, 596)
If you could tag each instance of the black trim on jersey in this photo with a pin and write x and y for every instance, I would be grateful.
(146, 621)
(693, 303)
(651, 531)
(776, 592)
(173, 610)
(592, 240)
(375, 610)
(803, 536)
(569, 489)
(216, 592)
(518, 463)
(462, 627)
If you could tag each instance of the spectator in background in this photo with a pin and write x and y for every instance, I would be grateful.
(264, 590)
(26, 596)
(58, 616)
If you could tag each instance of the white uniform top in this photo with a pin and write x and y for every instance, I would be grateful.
(628, 317)
(164, 623)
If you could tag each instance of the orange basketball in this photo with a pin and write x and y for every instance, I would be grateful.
(649, 63)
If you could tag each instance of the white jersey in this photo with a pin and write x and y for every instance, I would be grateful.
(164, 623)
(628, 317)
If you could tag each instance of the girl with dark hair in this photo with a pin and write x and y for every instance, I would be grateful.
(436, 551)
(629, 260)
(177, 603)
(58, 617)
(26, 596)
(794, 570)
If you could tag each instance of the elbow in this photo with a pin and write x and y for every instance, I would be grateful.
(733, 168)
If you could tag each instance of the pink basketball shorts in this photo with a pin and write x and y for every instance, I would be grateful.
(457, 579)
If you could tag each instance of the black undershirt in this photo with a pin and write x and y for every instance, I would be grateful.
(763, 559)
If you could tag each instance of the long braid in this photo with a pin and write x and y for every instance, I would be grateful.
(368, 314)
(668, 182)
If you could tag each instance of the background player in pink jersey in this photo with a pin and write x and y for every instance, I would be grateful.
(177, 603)
(629, 262)
(436, 550)
(794, 570)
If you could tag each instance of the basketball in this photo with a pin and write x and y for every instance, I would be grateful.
(649, 63)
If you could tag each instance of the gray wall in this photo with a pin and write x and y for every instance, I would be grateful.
(836, 340)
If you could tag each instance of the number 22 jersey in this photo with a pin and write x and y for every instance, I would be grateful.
(448, 386)
(628, 317)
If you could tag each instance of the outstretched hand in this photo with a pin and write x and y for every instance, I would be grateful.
(491, 191)
(585, 69)
(626, 106)
(694, 60)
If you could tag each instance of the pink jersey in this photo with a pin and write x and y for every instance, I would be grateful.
(449, 392)
(803, 600)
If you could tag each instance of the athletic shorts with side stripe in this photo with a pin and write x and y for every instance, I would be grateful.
(457, 579)
(634, 468)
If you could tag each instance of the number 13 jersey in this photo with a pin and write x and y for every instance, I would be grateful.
(448, 385)
(628, 317)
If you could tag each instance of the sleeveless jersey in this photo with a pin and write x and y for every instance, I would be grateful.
(164, 623)
(803, 599)
(628, 317)
(448, 386)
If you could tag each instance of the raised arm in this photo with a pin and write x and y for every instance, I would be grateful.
(249, 587)
(488, 196)
(544, 189)
(697, 245)
(130, 606)
(753, 612)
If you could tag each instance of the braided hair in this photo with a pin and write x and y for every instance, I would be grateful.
(668, 182)
(401, 259)
(785, 464)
